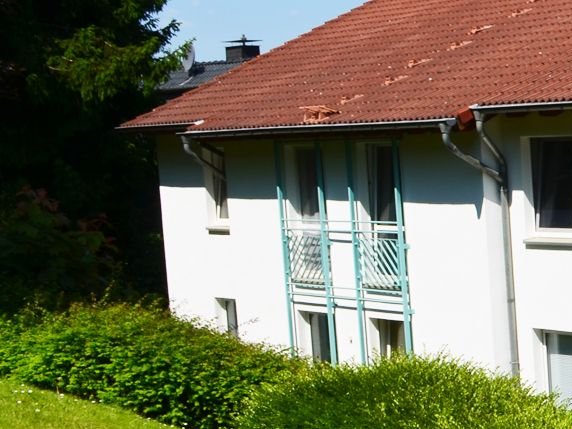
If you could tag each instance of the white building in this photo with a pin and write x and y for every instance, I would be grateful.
(384, 182)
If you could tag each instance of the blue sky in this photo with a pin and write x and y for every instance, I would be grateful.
(211, 22)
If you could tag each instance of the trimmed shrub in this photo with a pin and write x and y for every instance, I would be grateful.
(403, 393)
(144, 360)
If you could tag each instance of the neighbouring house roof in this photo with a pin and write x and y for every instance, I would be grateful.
(198, 74)
(391, 61)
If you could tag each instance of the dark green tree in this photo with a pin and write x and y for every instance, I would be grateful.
(71, 71)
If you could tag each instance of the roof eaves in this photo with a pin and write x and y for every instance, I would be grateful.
(174, 126)
(320, 128)
(523, 107)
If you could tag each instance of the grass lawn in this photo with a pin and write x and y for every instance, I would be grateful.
(23, 406)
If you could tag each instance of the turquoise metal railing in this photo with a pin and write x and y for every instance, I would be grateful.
(379, 259)
(377, 254)
(305, 255)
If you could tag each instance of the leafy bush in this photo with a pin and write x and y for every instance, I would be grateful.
(141, 359)
(402, 393)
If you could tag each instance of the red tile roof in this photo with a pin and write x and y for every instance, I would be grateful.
(392, 61)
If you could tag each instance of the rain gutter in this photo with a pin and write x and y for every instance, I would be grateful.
(319, 128)
(500, 176)
(522, 107)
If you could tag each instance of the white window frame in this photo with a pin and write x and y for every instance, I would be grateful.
(379, 341)
(546, 351)
(293, 185)
(535, 236)
(310, 337)
(225, 311)
(362, 167)
(307, 226)
(217, 222)
(536, 191)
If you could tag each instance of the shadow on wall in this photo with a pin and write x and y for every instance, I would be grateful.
(433, 175)
(430, 173)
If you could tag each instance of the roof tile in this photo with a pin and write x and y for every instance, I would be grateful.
(406, 59)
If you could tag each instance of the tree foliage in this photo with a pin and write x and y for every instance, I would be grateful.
(45, 259)
(70, 72)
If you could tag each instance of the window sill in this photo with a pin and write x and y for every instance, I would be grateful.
(218, 229)
(559, 242)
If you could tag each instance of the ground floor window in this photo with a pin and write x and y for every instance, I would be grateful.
(315, 335)
(386, 337)
(226, 315)
(559, 348)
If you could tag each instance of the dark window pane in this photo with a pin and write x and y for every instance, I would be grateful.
(320, 337)
(552, 177)
(308, 181)
(381, 184)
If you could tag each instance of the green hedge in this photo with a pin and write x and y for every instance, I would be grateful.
(402, 393)
(141, 359)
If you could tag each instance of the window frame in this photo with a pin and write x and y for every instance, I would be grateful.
(536, 169)
(310, 337)
(374, 175)
(538, 237)
(379, 343)
(226, 315)
(362, 181)
(293, 185)
(547, 360)
(217, 224)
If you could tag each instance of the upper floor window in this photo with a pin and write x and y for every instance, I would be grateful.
(307, 182)
(216, 185)
(552, 181)
(380, 183)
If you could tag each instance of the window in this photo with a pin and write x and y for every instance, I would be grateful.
(559, 348)
(316, 336)
(216, 185)
(305, 245)
(387, 336)
(552, 181)
(307, 182)
(380, 183)
(226, 315)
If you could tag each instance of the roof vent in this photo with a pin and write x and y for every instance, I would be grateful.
(314, 114)
(241, 52)
(476, 30)
(519, 12)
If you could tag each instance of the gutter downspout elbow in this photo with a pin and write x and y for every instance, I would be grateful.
(446, 128)
(499, 157)
(187, 148)
(187, 142)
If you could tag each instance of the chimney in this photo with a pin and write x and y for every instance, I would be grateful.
(241, 52)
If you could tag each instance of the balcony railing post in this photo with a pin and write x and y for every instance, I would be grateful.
(285, 245)
(355, 248)
(325, 244)
(402, 260)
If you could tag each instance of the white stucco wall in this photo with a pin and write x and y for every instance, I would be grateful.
(453, 261)
(453, 228)
(542, 271)
(246, 264)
